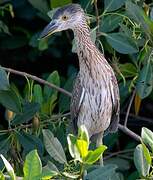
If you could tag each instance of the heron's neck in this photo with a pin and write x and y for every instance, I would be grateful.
(86, 49)
(89, 56)
(82, 37)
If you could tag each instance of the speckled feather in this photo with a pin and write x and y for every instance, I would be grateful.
(95, 97)
(99, 106)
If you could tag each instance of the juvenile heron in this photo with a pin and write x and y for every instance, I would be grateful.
(95, 96)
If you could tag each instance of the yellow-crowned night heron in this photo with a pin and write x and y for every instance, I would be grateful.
(95, 97)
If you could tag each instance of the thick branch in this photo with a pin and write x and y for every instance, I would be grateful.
(121, 127)
(38, 80)
(129, 133)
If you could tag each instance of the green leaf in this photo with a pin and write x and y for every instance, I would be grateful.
(50, 95)
(8, 168)
(50, 166)
(147, 137)
(124, 91)
(30, 142)
(93, 34)
(110, 22)
(82, 147)
(144, 83)
(54, 79)
(112, 5)
(146, 154)
(64, 101)
(2, 177)
(107, 172)
(55, 3)
(34, 40)
(4, 144)
(140, 17)
(4, 28)
(49, 171)
(32, 167)
(48, 174)
(83, 134)
(48, 107)
(13, 42)
(93, 156)
(37, 93)
(4, 85)
(72, 145)
(140, 162)
(123, 164)
(10, 100)
(41, 5)
(70, 175)
(133, 175)
(54, 147)
(128, 70)
(29, 110)
(85, 4)
(43, 44)
(122, 43)
(127, 31)
(52, 12)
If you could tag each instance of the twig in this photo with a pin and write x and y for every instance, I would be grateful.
(30, 125)
(55, 117)
(18, 127)
(97, 15)
(130, 133)
(141, 118)
(24, 74)
(117, 153)
(129, 107)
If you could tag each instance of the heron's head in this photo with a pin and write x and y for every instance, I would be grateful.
(67, 17)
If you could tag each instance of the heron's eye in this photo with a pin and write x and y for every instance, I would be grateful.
(64, 17)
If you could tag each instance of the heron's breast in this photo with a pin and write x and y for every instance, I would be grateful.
(96, 108)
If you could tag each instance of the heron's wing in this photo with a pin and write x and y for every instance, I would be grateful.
(78, 95)
(113, 85)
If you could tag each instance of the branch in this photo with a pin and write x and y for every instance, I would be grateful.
(141, 118)
(129, 132)
(129, 107)
(121, 127)
(18, 127)
(54, 117)
(24, 74)
(118, 153)
(97, 15)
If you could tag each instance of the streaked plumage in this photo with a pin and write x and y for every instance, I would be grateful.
(99, 106)
(95, 97)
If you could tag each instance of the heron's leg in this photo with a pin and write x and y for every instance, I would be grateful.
(99, 142)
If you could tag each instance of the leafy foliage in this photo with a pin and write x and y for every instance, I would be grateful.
(31, 114)
(142, 155)
(32, 168)
(53, 147)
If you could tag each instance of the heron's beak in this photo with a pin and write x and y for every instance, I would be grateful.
(48, 30)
